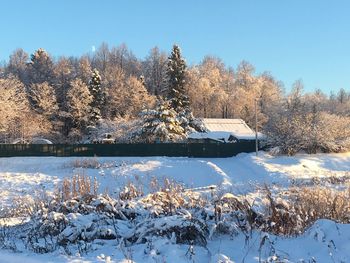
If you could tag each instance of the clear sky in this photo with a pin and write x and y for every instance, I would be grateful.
(293, 39)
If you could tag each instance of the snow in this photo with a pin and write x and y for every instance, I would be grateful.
(325, 241)
(21, 177)
(229, 125)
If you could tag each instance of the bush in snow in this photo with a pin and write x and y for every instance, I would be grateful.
(74, 221)
(82, 220)
(88, 163)
(296, 210)
(300, 124)
(177, 215)
(310, 132)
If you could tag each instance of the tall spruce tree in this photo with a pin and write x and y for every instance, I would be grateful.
(97, 96)
(176, 73)
(177, 92)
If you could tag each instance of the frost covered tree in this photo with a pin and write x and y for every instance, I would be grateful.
(17, 120)
(154, 68)
(333, 133)
(310, 132)
(41, 67)
(343, 96)
(176, 82)
(287, 126)
(218, 91)
(113, 84)
(343, 102)
(101, 57)
(98, 96)
(177, 92)
(13, 102)
(123, 57)
(209, 84)
(64, 74)
(209, 89)
(43, 99)
(301, 124)
(84, 70)
(78, 103)
(138, 97)
(17, 65)
(160, 125)
(126, 95)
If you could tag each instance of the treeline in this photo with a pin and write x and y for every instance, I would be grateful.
(60, 99)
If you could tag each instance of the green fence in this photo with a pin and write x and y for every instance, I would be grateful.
(156, 149)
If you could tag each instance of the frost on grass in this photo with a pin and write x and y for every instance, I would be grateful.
(77, 223)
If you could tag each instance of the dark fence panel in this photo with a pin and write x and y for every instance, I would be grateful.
(123, 149)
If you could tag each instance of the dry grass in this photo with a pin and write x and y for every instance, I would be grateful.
(88, 163)
(193, 217)
(303, 206)
(28, 205)
(130, 191)
(92, 163)
(168, 196)
(288, 213)
(79, 185)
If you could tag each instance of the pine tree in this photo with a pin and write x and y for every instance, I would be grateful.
(98, 97)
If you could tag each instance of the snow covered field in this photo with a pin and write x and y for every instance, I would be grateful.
(244, 174)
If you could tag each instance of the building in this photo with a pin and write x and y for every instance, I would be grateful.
(225, 130)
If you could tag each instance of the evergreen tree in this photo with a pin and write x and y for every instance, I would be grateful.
(176, 73)
(177, 92)
(98, 97)
(161, 125)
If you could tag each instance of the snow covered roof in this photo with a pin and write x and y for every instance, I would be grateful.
(19, 141)
(32, 141)
(225, 129)
(228, 125)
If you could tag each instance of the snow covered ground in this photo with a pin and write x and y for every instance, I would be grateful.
(243, 174)
(324, 242)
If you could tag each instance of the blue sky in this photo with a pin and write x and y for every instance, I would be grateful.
(305, 39)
